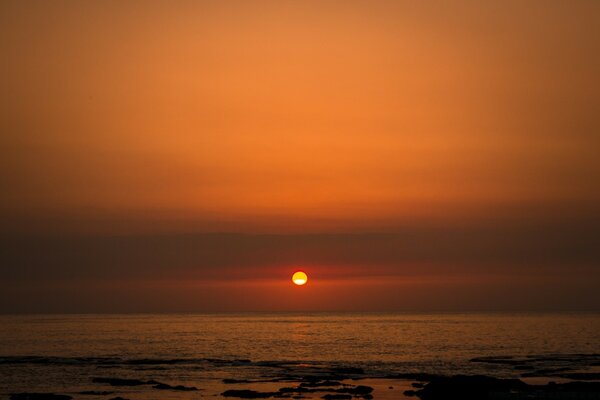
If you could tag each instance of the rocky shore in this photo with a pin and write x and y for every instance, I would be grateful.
(575, 376)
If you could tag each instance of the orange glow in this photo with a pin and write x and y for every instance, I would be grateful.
(300, 278)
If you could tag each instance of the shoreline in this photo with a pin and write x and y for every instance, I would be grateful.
(556, 376)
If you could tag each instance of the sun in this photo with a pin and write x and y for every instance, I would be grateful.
(300, 278)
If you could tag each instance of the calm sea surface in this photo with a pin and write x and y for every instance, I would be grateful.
(63, 353)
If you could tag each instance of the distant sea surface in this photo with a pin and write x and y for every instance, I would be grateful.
(64, 353)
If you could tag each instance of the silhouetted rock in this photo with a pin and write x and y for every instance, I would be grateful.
(580, 388)
(235, 381)
(506, 360)
(95, 393)
(298, 389)
(165, 386)
(421, 377)
(120, 381)
(321, 383)
(581, 376)
(336, 397)
(230, 381)
(39, 396)
(465, 387)
(248, 394)
(118, 398)
(360, 390)
(482, 387)
(348, 370)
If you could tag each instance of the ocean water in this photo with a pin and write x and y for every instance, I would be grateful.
(64, 353)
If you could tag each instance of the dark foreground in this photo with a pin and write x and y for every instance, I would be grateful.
(427, 388)
(346, 383)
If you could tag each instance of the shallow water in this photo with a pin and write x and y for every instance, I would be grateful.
(62, 353)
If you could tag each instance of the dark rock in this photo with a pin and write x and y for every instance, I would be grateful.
(248, 394)
(95, 393)
(120, 381)
(580, 388)
(39, 396)
(157, 361)
(418, 385)
(509, 360)
(523, 367)
(296, 390)
(321, 383)
(230, 381)
(348, 370)
(118, 398)
(235, 381)
(164, 386)
(359, 390)
(410, 393)
(337, 397)
(546, 372)
(581, 376)
(421, 377)
(465, 387)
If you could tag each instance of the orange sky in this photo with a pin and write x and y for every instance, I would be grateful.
(298, 117)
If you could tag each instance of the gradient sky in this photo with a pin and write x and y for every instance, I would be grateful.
(190, 155)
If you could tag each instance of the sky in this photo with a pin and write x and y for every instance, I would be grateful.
(189, 156)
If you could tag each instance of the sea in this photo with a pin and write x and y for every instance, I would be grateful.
(193, 356)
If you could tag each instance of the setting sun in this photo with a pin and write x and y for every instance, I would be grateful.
(299, 278)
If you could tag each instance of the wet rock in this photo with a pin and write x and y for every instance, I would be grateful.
(120, 381)
(248, 394)
(164, 386)
(39, 396)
